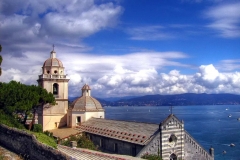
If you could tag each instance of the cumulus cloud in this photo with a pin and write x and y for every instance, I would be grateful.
(131, 74)
(29, 23)
(225, 19)
(28, 27)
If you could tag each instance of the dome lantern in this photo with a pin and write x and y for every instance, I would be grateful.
(86, 102)
(86, 90)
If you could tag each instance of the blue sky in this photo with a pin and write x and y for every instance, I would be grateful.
(126, 47)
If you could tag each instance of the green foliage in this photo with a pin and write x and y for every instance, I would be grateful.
(151, 157)
(50, 134)
(0, 60)
(71, 138)
(82, 142)
(10, 121)
(41, 137)
(17, 98)
(37, 128)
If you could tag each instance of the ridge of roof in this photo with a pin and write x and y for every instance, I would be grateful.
(126, 121)
(133, 132)
(170, 116)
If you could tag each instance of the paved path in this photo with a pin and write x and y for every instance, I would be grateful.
(85, 154)
(8, 155)
(64, 132)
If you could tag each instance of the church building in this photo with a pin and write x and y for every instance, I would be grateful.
(167, 139)
(54, 80)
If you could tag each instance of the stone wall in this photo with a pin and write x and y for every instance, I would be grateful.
(153, 146)
(193, 150)
(26, 145)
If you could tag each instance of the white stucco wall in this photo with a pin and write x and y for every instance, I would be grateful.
(72, 116)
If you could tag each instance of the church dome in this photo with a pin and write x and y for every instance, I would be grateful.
(53, 61)
(86, 102)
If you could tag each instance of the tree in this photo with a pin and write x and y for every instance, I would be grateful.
(0, 60)
(20, 99)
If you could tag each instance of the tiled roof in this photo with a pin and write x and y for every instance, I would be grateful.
(134, 132)
(86, 103)
(53, 62)
(86, 154)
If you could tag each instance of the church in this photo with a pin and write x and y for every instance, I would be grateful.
(167, 139)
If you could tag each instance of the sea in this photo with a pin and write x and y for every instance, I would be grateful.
(211, 125)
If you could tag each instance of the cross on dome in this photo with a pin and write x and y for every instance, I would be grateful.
(53, 53)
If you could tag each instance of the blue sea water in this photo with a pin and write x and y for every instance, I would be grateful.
(209, 125)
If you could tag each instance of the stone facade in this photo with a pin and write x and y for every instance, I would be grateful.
(54, 80)
(172, 138)
(27, 146)
(193, 150)
(168, 140)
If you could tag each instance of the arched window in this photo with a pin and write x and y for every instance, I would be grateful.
(55, 89)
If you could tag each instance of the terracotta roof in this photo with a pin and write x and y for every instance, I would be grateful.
(53, 62)
(134, 132)
(86, 103)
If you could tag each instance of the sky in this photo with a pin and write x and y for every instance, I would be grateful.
(125, 47)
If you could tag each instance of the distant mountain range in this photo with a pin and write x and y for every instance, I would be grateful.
(174, 100)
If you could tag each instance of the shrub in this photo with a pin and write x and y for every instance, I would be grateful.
(82, 142)
(71, 138)
(37, 128)
(41, 137)
(10, 121)
(50, 134)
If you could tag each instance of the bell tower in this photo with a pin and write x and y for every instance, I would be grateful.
(54, 80)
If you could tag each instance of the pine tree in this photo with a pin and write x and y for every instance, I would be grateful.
(0, 60)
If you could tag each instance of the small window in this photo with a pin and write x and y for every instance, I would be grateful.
(55, 89)
(48, 72)
(55, 71)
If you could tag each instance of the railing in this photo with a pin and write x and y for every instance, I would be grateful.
(52, 76)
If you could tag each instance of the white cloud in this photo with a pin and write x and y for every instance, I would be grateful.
(125, 75)
(229, 64)
(29, 23)
(225, 19)
(149, 33)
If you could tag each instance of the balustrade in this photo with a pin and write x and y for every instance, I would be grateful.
(52, 76)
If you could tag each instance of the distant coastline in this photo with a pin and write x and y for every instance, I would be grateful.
(186, 99)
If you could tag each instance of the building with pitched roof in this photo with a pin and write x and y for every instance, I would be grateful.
(167, 139)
